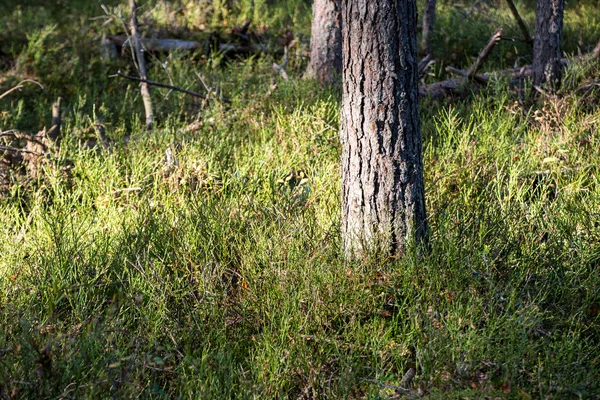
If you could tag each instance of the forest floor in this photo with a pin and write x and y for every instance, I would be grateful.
(202, 260)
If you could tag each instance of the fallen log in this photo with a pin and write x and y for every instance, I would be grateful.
(158, 45)
(460, 86)
(168, 45)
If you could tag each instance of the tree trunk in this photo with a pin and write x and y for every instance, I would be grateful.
(141, 64)
(383, 200)
(428, 23)
(326, 42)
(547, 67)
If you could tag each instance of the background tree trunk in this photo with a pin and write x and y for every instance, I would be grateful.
(326, 43)
(383, 201)
(428, 24)
(546, 45)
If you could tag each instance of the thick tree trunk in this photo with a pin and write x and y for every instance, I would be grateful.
(326, 42)
(383, 200)
(547, 67)
(428, 23)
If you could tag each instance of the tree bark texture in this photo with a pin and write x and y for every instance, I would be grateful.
(383, 200)
(547, 67)
(326, 42)
(428, 24)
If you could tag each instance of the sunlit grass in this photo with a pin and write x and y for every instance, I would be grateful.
(220, 275)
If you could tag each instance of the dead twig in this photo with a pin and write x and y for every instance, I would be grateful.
(20, 86)
(18, 150)
(141, 64)
(522, 26)
(164, 85)
(281, 68)
(208, 88)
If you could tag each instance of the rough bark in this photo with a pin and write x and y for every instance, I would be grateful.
(428, 24)
(383, 201)
(547, 67)
(326, 43)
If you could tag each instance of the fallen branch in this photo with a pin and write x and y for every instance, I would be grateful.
(424, 64)
(483, 55)
(137, 49)
(23, 136)
(443, 88)
(18, 150)
(158, 45)
(464, 74)
(526, 36)
(459, 86)
(166, 86)
(167, 45)
(281, 68)
(19, 86)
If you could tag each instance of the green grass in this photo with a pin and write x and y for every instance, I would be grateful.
(222, 276)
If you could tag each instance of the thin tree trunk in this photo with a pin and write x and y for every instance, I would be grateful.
(596, 51)
(326, 43)
(54, 132)
(141, 64)
(428, 24)
(520, 22)
(383, 201)
(547, 68)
